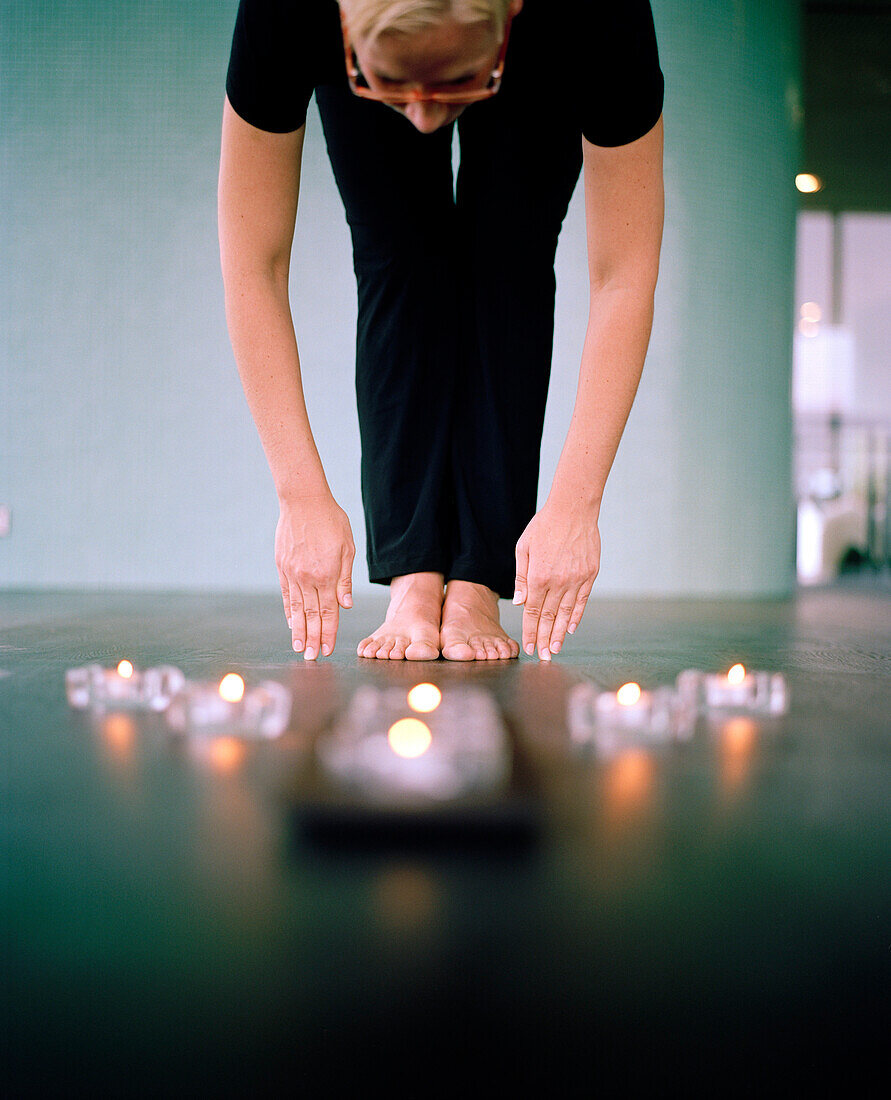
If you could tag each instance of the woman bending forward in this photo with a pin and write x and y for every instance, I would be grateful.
(455, 284)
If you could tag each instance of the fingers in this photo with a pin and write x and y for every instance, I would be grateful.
(531, 615)
(579, 609)
(330, 617)
(313, 624)
(566, 606)
(296, 619)
(345, 583)
(520, 585)
(546, 619)
(312, 610)
(550, 614)
(286, 596)
(314, 620)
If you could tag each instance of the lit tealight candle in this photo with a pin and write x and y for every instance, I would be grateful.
(737, 689)
(629, 695)
(612, 721)
(375, 748)
(122, 687)
(228, 708)
(232, 688)
(732, 689)
(122, 682)
(424, 698)
(409, 737)
(627, 708)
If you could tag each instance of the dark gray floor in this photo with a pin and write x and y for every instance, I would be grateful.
(704, 912)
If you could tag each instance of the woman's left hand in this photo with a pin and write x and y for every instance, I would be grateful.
(558, 558)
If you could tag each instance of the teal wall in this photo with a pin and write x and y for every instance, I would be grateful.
(127, 453)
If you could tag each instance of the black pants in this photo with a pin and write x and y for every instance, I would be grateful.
(455, 327)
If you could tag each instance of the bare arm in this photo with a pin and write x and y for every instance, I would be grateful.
(258, 190)
(624, 205)
(558, 555)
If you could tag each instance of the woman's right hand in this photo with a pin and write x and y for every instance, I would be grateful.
(314, 554)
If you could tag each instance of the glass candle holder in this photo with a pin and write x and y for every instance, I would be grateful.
(421, 744)
(737, 690)
(610, 721)
(228, 708)
(122, 687)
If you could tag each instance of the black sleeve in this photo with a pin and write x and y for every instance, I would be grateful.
(277, 48)
(621, 84)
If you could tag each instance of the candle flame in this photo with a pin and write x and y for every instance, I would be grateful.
(736, 675)
(409, 737)
(424, 698)
(628, 695)
(232, 688)
(125, 670)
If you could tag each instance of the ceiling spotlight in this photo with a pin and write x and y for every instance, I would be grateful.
(807, 183)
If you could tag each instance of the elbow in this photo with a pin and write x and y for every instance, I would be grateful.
(636, 281)
(247, 273)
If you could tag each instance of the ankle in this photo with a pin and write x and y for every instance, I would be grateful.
(427, 584)
(466, 588)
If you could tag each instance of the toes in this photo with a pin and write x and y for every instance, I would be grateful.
(488, 647)
(397, 648)
(458, 651)
(480, 648)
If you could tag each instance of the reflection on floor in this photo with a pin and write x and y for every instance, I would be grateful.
(720, 898)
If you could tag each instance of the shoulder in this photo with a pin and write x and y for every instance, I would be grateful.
(287, 24)
(282, 49)
(619, 82)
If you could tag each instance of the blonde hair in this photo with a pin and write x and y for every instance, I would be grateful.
(371, 18)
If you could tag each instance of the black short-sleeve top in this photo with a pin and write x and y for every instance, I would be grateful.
(596, 57)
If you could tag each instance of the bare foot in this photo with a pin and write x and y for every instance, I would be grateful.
(411, 629)
(471, 630)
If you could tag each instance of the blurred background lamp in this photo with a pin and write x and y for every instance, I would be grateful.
(808, 183)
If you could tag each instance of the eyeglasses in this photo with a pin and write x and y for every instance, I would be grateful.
(359, 85)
